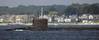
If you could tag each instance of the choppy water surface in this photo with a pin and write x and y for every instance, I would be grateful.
(57, 34)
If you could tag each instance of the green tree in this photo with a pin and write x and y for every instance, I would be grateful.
(72, 9)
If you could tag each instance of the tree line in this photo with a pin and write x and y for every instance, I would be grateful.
(73, 9)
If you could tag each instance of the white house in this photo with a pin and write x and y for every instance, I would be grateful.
(67, 20)
(47, 17)
(1, 20)
(91, 16)
(84, 16)
(60, 19)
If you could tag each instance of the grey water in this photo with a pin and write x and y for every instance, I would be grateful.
(51, 34)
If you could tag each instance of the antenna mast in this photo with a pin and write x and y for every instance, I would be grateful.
(42, 12)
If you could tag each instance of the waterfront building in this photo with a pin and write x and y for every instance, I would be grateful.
(67, 20)
(73, 18)
(1, 20)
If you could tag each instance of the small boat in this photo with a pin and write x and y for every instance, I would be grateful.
(18, 30)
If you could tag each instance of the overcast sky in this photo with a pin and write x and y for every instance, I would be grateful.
(13, 3)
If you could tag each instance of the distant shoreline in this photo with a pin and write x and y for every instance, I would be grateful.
(55, 23)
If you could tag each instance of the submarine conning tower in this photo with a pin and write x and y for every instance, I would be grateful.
(39, 24)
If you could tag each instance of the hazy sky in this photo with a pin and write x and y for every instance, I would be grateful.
(12, 3)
